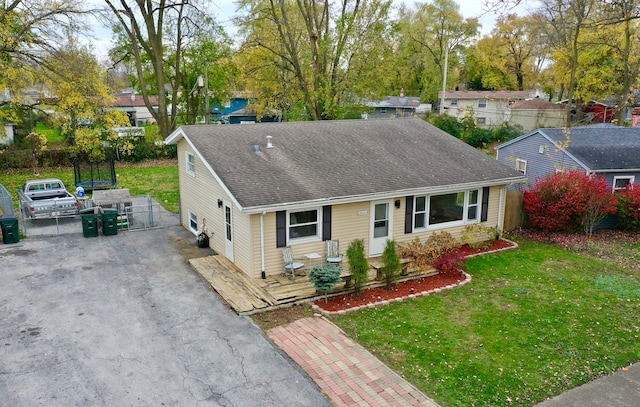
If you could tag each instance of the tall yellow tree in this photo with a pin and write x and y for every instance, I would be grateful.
(326, 55)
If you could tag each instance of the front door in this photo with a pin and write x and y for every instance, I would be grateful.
(228, 231)
(381, 226)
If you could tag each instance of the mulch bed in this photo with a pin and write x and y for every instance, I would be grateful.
(403, 289)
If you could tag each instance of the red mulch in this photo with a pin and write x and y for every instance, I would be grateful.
(403, 289)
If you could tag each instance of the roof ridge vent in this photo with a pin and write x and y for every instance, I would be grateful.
(269, 141)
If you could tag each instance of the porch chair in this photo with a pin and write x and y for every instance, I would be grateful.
(333, 253)
(291, 265)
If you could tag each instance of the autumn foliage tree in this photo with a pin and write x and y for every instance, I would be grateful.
(571, 200)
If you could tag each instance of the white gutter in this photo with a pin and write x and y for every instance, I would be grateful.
(380, 196)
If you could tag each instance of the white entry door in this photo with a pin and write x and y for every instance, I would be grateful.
(228, 231)
(381, 226)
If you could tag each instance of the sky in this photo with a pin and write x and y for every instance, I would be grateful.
(226, 9)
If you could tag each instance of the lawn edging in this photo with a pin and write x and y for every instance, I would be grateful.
(324, 312)
(467, 280)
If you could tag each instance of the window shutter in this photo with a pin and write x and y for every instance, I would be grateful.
(326, 222)
(281, 228)
(408, 215)
(485, 204)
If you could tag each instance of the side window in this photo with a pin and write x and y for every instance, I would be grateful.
(190, 160)
(521, 165)
(482, 120)
(453, 102)
(620, 183)
(482, 103)
(193, 222)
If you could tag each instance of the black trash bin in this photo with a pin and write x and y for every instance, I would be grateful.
(10, 229)
(110, 221)
(89, 222)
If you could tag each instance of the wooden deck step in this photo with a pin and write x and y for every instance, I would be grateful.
(239, 291)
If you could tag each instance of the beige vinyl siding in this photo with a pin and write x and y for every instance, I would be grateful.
(242, 245)
(200, 194)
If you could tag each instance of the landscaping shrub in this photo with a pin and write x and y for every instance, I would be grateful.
(324, 277)
(390, 264)
(423, 255)
(451, 264)
(570, 200)
(479, 235)
(440, 244)
(358, 265)
(628, 208)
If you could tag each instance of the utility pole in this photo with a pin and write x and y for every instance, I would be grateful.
(207, 113)
(444, 77)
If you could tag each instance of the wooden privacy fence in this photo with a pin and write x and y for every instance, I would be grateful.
(513, 212)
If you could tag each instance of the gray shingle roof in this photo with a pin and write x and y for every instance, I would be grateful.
(601, 148)
(325, 160)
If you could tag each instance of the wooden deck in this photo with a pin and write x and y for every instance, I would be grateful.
(246, 295)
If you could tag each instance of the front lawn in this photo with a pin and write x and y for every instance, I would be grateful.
(533, 323)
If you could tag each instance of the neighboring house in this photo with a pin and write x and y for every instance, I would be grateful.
(133, 105)
(396, 106)
(488, 107)
(248, 115)
(607, 150)
(593, 112)
(6, 134)
(259, 187)
(235, 111)
(535, 113)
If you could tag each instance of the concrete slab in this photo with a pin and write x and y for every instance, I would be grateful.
(124, 320)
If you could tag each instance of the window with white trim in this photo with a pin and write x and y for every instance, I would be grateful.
(190, 161)
(521, 165)
(482, 103)
(446, 209)
(453, 102)
(303, 225)
(620, 183)
(482, 120)
(193, 222)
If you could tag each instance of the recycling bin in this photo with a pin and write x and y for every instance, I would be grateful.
(110, 221)
(10, 229)
(89, 223)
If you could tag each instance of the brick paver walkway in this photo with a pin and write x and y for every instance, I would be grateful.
(347, 372)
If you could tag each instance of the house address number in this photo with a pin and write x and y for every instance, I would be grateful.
(363, 213)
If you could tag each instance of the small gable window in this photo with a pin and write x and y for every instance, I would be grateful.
(620, 183)
(190, 160)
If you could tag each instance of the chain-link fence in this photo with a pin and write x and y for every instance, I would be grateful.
(6, 203)
(142, 213)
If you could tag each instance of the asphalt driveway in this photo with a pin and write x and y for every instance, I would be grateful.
(124, 321)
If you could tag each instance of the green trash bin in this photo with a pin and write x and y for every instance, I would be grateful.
(110, 221)
(10, 230)
(89, 222)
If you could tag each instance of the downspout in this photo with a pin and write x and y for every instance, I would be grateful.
(263, 274)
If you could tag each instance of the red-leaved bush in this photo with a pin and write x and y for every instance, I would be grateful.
(629, 208)
(451, 264)
(570, 200)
